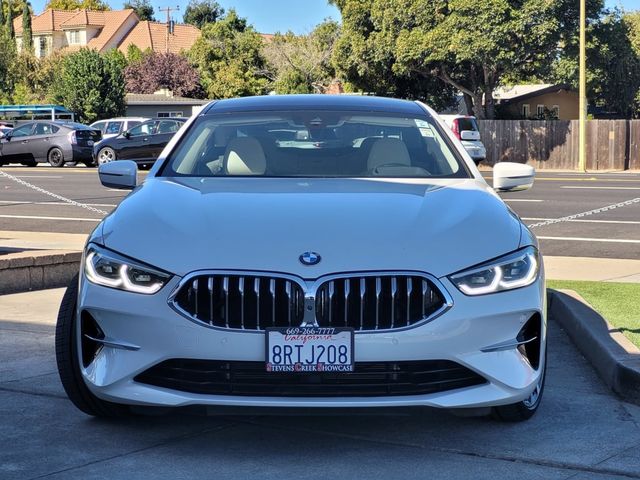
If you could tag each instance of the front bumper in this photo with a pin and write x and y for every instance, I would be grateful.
(149, 332)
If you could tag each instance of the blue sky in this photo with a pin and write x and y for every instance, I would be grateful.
(269, 16)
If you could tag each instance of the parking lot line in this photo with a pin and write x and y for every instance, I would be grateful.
(18, 202)
(521, 200)
(580, 220)
(583, 239)
(33, 217)
(581, 187)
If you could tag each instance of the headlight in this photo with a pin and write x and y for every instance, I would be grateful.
(515, 270)
(107, 268)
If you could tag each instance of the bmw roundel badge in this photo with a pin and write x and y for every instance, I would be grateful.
(310, 258)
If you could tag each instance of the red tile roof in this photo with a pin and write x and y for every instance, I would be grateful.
(153, 35)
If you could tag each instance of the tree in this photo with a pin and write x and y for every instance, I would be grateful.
(91, 85)
(9, 20)
(469, 46)
(365, 53)
(163, 70)
(143, 9)
(2, 20)
(228, 57)
(77, 4)
(302, 63)
(27, 36)
(201, 12)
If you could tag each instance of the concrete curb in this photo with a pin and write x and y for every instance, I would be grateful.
(614, 357)
(37, 270)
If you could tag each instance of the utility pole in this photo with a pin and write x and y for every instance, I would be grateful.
(582, 150)
(168, 10)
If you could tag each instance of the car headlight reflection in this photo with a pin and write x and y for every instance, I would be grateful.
(109, 269)
(515, 270)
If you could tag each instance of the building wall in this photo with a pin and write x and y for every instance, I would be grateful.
(568, 103)
(154, 110)
(90, 33)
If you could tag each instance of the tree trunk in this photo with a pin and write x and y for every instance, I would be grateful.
(489, 105)
(478, 108)
(468, 102)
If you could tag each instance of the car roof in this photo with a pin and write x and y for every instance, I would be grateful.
(120, 119)
(315, 102)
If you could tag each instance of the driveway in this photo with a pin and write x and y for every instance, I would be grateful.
(582, 431)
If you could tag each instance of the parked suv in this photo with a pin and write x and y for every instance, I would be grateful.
(142, 143)
(113, 127)
(49, 141)
(466, 129)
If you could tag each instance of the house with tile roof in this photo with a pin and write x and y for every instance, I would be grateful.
(54, 30)
(156, 36)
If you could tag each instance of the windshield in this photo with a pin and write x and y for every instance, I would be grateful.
(314, 144)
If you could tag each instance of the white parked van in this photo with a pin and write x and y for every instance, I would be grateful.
(466, 129)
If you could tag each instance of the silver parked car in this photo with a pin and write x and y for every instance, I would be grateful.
(465, 128)
(308, 251)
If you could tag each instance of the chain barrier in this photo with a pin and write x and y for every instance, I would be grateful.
(585, 214)
(50, 194)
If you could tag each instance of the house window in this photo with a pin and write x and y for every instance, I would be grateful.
(540, 111)
(42, 41)
(526, 110)
(74, 37)
(556, 111)
(170, 114)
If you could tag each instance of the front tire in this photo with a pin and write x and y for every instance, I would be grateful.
(67, 359)
(524, 410)
(106, 155)
(56, 157)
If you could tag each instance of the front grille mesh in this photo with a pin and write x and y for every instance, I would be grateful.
(242, 301)
(215, 377)
(377, 302)
(366, 302)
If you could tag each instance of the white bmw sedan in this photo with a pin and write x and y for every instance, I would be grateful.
(309, 251)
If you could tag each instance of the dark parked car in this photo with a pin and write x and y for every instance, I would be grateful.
(54, 142)
(142, 143)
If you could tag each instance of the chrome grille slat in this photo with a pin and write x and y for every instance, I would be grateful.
(381, 302)
(363, 301)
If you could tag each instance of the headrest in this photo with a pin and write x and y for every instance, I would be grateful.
(244, 156)
(388, 150)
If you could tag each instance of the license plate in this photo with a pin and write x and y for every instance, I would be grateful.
(309, 349)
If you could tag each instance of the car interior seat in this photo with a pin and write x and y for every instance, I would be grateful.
(244, 156)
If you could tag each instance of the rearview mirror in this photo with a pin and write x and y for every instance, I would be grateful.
(122, 174)
(512, 177)
(469, 135)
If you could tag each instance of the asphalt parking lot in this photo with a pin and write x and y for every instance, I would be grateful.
(581, 431)
(611, 234)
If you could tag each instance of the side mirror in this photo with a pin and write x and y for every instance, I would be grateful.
(122, 174)
(512, 177)
(126, 135)
(469, 135)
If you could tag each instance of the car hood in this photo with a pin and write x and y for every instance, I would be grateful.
(187, 224)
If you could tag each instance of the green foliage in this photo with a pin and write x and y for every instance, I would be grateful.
(7, 55)
(302, 63)
(389, 47)
(228, 57)
(27, 36)
(613, 64)
(134, 54)
(201, 12)
(365, 54)
(2, 19)
(77, 4)
(9, 20)
(91, 85)
(143, 9)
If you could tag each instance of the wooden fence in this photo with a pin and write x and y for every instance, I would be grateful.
(611, 144)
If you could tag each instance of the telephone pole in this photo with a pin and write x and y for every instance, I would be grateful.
(582, 148)
(168, 10)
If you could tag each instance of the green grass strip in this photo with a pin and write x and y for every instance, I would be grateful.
(619, 303)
